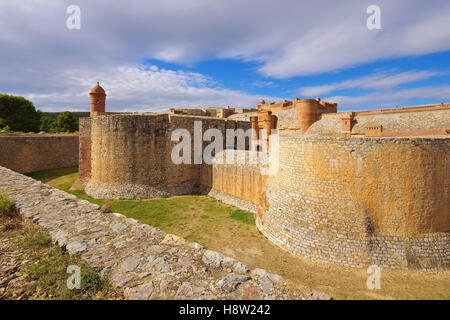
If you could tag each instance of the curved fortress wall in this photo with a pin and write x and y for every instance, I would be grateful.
(128, 156)
(131, 155)
(361, 201)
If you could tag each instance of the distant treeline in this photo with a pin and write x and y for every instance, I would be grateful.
(76, 114)
(19, 114)
(61, 121)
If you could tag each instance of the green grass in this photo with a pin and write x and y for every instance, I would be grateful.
(69, 174)
(63, 179)
(46, 266)
(36, 240)
(244, 216)
(172, 213)
(225, 229)
(49, 274)
(187, 216)
(82, 195)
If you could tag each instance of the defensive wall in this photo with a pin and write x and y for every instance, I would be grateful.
(361, 201)
(416, 121)
(30, 153)
(342, 197)
(350, 188)
(130, 155)
(237, 178)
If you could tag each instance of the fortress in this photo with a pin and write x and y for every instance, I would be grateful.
(353, 188)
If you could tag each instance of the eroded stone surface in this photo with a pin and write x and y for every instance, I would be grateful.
(231, 281)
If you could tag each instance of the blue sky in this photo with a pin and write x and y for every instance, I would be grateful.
(153, 55)
(244, 76)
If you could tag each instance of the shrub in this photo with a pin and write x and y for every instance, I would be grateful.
(47, 124)
(9, 215)
(65, 122)
(6, 129)
(107, 206)
(5, 203)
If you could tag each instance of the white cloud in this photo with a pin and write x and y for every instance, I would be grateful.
(391, 98)
(139, 88)
(289, 39)
(375, 81)
(381, 89)
(409, 29)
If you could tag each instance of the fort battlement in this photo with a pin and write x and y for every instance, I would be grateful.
(129, 156)
(353, 188)
(361, 201)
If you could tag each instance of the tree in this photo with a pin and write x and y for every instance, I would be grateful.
(19, 114)
(47, 124)
(66, 122)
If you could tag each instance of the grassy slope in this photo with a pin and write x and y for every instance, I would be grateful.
(221, 227)
(43, 267)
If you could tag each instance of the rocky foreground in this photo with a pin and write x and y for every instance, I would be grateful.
(140, 261)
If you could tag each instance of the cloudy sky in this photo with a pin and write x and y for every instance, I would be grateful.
(152, 55)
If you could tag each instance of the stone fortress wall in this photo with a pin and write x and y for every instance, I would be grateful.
(131, 155)
(239, 182)
(30, 153)
(350, 188)
(361, 201)
(430, 120)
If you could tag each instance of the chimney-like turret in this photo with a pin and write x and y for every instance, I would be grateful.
(98, 99)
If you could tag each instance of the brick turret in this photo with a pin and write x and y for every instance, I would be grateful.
(98, 99)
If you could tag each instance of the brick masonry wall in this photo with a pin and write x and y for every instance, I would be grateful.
(361, 201)
(27, 154)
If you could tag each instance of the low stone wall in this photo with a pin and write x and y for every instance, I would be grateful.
(141, 261)
(32, 153)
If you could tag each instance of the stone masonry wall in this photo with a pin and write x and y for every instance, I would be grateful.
(361, 201)
(236, 180)
(27, 154)
(141, 262)
(84, 167)
(131, 155)
(352, 201)
(416, 120)
(128, 155)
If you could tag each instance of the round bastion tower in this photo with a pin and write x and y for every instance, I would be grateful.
(98, 99)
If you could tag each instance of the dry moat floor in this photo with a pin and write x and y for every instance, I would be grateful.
(233, 232)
